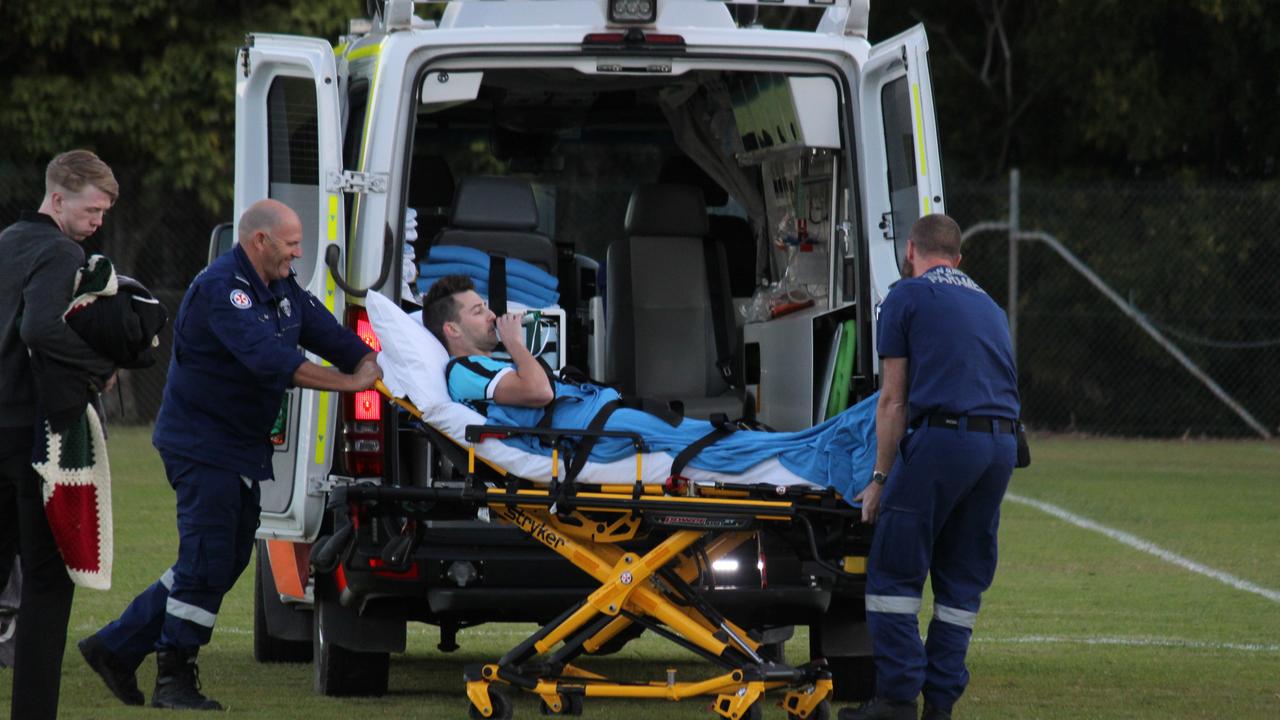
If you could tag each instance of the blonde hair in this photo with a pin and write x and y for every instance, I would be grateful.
(74, 169)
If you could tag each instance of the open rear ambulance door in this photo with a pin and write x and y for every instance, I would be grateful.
(288, 145)
(903, 176)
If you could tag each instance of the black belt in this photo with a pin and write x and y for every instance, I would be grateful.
(973, 423)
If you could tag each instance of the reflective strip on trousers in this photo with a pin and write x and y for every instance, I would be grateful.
(186, 611)
(901, 604)
(954, 616)
(167, 579)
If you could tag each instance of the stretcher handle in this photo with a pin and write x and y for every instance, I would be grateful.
(478, 433)
(400, 402)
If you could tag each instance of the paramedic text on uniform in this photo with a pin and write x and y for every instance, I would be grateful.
(946, 449)
(37, 279)
(235, 351)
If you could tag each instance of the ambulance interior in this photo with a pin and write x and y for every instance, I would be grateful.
(692, 222)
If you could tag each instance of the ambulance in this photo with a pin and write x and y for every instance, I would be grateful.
(571, 134)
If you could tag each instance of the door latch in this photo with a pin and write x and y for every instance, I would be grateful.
(352, 181)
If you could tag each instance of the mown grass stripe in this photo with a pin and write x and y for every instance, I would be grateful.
(1150, 548)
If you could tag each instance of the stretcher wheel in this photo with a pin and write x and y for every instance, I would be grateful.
(821, 712)
(572, 706)
(503, 709)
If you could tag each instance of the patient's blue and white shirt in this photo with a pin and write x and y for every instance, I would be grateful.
(475, 378)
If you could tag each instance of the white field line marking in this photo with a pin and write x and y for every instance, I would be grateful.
(1138, 543)
(1129, 642)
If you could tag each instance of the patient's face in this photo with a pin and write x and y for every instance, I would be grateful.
(475, 322)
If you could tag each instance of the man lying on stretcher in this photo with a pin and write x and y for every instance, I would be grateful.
(838, 454)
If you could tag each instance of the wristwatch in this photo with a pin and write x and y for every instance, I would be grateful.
(878, 477)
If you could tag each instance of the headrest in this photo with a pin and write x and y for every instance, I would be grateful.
(682, 170)
(666, 210)
(430, 183)
(494, 203)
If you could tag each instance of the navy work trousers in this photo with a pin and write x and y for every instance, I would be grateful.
(217, 518)
(938, 517)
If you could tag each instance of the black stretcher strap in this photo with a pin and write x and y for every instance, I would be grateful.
(498, 284)
(722, 428)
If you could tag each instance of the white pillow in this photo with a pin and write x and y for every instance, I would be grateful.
(413, 362)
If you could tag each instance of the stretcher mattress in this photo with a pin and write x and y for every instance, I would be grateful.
(413, 363)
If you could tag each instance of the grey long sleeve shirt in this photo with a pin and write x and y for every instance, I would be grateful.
(38, 266)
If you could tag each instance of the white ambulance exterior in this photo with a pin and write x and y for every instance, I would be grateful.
(824, 144)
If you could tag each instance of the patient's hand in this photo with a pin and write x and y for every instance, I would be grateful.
(509, 329)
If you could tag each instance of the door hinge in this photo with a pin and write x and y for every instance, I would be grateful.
(352, 181)
(318, 485)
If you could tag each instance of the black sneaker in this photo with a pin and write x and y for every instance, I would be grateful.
(120, 680)
(881, 709)
(934, 713)
(178, 683)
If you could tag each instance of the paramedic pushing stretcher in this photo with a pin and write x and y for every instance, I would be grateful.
(947, 446)
(235, 351)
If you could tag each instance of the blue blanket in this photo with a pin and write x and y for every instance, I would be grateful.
(482, 286)
(839, 453)
(516, 268)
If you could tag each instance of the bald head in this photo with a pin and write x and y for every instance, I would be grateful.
(265, 216)
(271, 235)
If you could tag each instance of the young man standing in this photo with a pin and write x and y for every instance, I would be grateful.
(37, 280)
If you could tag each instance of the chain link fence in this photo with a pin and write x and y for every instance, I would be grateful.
(1196, 260)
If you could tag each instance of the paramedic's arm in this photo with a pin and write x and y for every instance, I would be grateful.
(528, 386)
(891, 424)
(318, 377)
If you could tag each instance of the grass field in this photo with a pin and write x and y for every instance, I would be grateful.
(1077, 625)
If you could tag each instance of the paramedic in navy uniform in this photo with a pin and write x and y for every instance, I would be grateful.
(946, 448)
(235, 351)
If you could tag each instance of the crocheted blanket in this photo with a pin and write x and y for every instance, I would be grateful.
(74, 466)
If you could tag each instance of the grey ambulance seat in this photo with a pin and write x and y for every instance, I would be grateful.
(499, 216)
(661, 336)
(733, 232)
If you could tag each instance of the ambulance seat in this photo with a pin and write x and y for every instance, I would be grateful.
(733, 232)
(660, 329)
(499, 216)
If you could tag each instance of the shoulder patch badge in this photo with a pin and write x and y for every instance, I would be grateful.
(240, 299)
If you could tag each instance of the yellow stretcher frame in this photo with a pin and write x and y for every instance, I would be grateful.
(651, 588)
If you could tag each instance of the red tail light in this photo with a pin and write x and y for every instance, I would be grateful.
(363, 432)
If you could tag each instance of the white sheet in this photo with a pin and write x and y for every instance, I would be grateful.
(413, 363)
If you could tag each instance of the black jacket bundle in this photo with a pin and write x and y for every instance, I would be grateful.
(118, 318)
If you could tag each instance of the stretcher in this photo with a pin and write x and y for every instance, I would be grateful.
(646, 547)
(647, 540)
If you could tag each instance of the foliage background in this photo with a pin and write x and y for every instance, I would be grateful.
(1144, 132)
